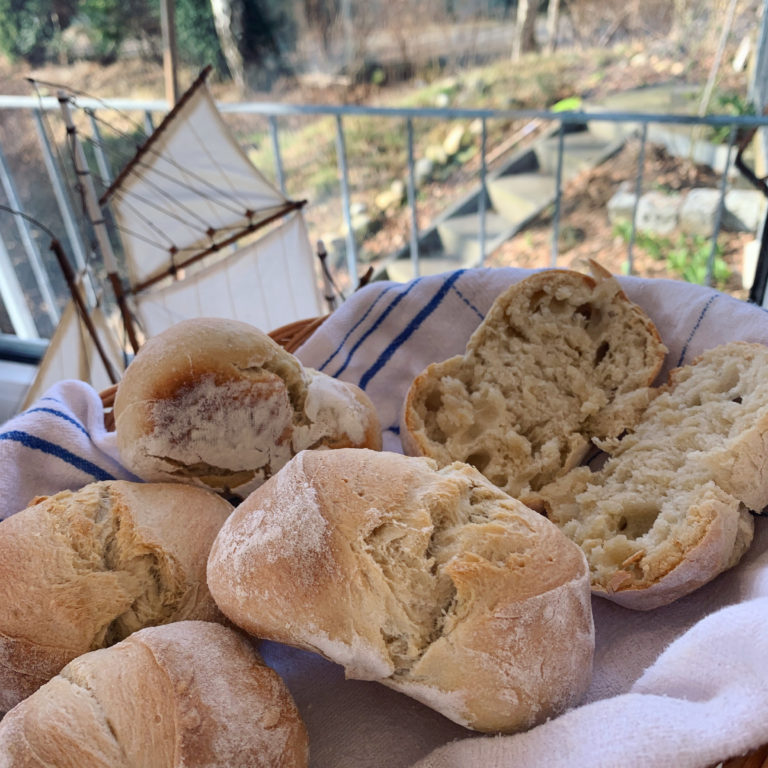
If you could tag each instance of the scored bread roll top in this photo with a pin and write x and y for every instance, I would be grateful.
(435, 583)
(82, 570)
(669, 511)
(559, 359)
(190, 694)
(217, 403)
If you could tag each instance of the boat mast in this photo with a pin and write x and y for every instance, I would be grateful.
(71, 279)
(96, 218)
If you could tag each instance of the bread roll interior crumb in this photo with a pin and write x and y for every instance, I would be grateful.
(677, 488)
(559, 359)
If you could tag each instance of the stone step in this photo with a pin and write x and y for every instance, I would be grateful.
(460, 235)
(401, 270)
(581, 151)
(519, 196)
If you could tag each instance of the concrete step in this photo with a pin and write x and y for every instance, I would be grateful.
(401, 270)
(611, 131)
(581, 151)
(460, 235)
(519, 196)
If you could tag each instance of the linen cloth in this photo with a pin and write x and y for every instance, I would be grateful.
(683, 686)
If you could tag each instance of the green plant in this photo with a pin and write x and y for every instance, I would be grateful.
(690, 260)
(654, 245)
(687, 256)
(729, 103)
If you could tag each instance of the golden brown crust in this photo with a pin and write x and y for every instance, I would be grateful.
(83, 569)
(217, 403)
(187, 694)
(433, 582)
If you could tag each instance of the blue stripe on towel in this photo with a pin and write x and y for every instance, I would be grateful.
(468, 303)
(379, 320)
(411, 328)
(695, 328)
(61, 415)
(355, 326)
(38, 444)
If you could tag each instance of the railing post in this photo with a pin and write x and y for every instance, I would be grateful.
(13, 298)
(30, 246)
(481, 201)
(98, 150)
(558, 193)
(341, 152)
(276, 152)
(638, 192)
(412, 201)
(720, 208)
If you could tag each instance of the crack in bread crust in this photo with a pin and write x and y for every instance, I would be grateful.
(431, 581)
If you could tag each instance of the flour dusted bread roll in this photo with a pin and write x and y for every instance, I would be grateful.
(190, 694)
(560, 358)
(217, 403)
(82, 570)
(433, 582)
(669, 510)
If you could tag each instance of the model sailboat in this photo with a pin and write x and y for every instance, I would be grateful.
(204, 233)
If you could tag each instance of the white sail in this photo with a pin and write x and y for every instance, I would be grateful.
(191, 186)
(267, 283)
(72, 354)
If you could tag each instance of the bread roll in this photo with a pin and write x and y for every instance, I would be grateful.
(669, 510)
(190, 694)
(433, 582)
(560, 358)
(83, 570)
(217, 403)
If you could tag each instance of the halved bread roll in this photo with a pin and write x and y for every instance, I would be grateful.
(191, 694)
(669, 510)
(559, 359)
(82, 570)
(433, 582)
(217, 403)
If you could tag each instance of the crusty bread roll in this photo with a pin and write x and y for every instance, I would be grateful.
(83, 570)
(433, 582)
(217, 403)
(190, 694)
(560, 358)
(669, 510)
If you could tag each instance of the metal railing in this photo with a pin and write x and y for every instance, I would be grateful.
(24, 325)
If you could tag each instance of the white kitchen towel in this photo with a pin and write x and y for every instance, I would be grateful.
(59, 443)
(683, 685)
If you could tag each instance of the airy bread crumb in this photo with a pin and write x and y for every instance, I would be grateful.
(559, 359)
(669, 510)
